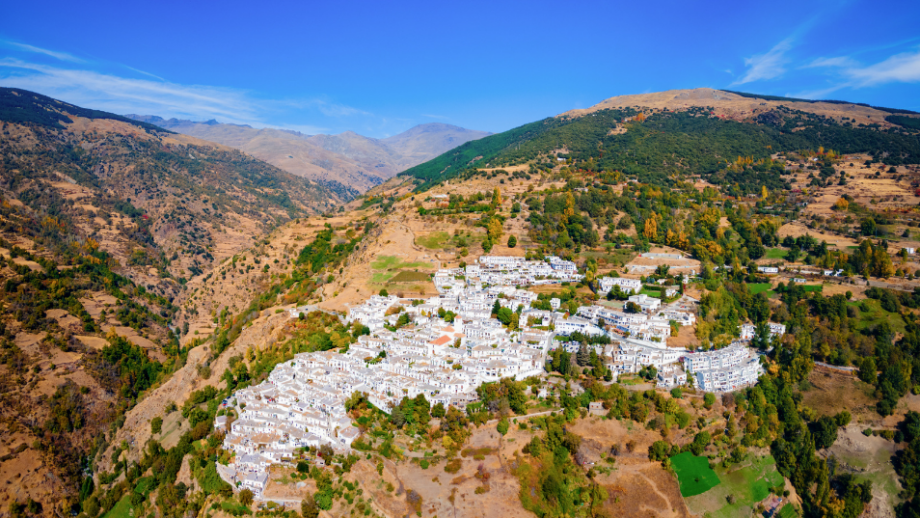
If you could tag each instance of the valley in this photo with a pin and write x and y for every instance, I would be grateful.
(348, 159)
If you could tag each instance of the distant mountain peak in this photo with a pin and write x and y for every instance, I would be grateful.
(348, 157)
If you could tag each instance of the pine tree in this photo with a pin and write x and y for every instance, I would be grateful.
(761, 339)
(583, 358)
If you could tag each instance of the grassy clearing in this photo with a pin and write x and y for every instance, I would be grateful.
(761, 287)
(433, 241)
(876, 315)
(122, 509)
(404, 276)
(813, 287)
(612, 257)
(651, 293)
(775, 253)
(693, 474)
(747, 483)
(787, 511)
(380, 278)
(391, 262)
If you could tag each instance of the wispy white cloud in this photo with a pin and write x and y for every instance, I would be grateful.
(327, 108)
(900, 68)
(840, 61)
(128, 95)
(848, 73)
(63, 56)
(769, 65)
(432, 116)
(152, 95)
(148, 74)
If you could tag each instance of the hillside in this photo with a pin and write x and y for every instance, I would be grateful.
(398, 241)
(683, 132)
(678, 199)
(103, 221)
(348, 158)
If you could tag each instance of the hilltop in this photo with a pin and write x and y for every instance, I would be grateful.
(740, 106)
(639, 135)
(348, 158)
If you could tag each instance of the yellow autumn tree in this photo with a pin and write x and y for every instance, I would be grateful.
(842, 205)
(495, 229)
(764, 193)
(883, 266)
(651, 229)
(670, 238)
(683, 242)
(496, 197)
(569, 207)
(640, 117)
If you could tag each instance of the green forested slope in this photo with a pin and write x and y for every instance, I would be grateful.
(668, 143)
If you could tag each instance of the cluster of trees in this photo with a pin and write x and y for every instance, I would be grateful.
(551, 482)
(321, 253)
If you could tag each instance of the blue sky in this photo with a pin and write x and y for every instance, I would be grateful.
(379, 68)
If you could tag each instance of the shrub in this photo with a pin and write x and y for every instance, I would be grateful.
(453, 466)
(709, 399)
(156, 425)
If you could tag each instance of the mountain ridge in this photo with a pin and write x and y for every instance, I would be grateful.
(679, 117)
(347, 157)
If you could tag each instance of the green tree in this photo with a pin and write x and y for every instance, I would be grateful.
(246, 497)
(761, 339)
(659, 451)
(512, 241)
(156, 425)
(502, 426)
(868, 227)
(709, 399)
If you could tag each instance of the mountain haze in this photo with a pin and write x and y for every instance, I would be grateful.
(348, 158)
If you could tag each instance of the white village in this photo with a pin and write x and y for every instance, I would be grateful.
(452, 344)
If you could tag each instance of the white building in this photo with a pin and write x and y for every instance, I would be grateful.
(748, 330)
(724, 370)
(648, 304)
(626, 285)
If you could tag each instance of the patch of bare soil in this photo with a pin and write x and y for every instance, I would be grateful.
(643, 491)
(833, 390)
(636, 486)
(798, 230)
(868, 458)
